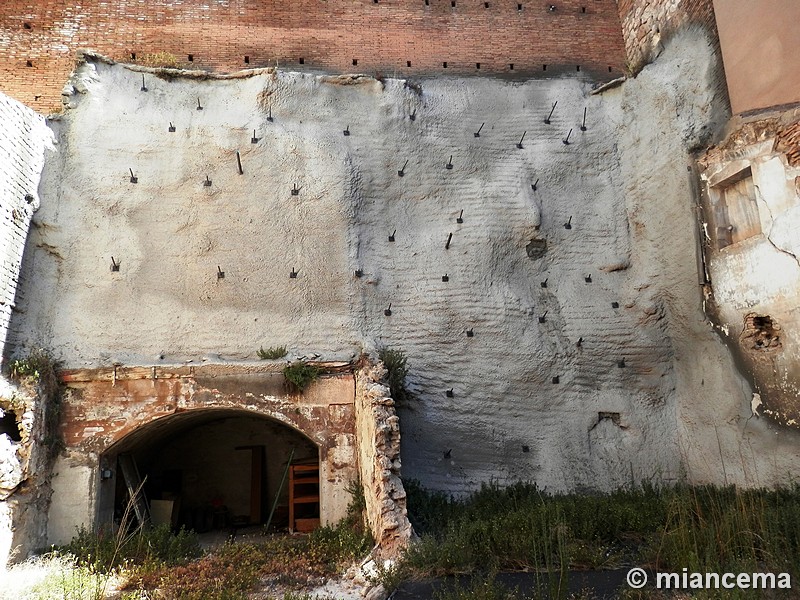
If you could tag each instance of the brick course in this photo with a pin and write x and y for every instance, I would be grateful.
(383, 37)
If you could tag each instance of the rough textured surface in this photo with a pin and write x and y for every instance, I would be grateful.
(25, 489)
(38, 40)
(169, 233)
(755, 280)
(648, 24)
(602, 392)
(23, 137)
(621, 379)
(10, 467)
(378, 429)
(720, 441)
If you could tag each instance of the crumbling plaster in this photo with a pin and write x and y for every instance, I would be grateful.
(24, 489)
(759, 276)
(170, 233)
(378, 429)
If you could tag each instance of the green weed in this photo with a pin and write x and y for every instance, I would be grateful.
(271, 353)
(705, 529)
(301, 374)
(395, 362)
(103, 552)
(39, 370)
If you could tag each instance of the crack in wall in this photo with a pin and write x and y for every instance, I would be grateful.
(768, 235)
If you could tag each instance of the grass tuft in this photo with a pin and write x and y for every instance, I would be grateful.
(271, 353)
(103, 552)
(704, 529)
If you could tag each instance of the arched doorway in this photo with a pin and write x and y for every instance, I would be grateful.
(208, 469)
(182, 426)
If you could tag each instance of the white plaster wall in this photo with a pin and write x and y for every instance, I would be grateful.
(623, 182)
(23, 137)
(72, 506)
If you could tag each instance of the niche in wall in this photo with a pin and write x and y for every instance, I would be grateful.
(735, 211)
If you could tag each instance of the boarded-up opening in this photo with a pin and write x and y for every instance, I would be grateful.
(735, 209)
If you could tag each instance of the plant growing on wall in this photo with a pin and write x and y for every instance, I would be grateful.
(397, 369)
(271, 353)
(38, 370)
(301, 374)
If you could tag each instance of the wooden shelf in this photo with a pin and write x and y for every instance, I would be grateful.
(303, 492)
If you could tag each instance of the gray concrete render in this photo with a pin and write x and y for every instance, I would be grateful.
(536, 248)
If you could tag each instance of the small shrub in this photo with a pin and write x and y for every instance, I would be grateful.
(347, 540)
(39, 369)
(301, 375)
(236, 569)
(397, 370)
(36, 366)
(272, 353)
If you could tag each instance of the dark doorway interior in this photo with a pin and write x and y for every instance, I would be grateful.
(209, 470)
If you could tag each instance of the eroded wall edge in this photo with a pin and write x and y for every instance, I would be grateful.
(378, 433)
(24, 493)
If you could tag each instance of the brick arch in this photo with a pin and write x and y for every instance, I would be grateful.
(163, 426)
(103, 406)
(107, 410)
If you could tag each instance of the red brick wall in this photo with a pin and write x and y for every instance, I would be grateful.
(327, 34)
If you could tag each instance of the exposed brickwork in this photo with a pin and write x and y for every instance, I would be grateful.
(22, 135)
(788, 142)
(124, 406)
(327, 34)
(646, 22)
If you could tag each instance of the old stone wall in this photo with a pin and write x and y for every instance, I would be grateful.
(23, 136)
(586, 352)
(647, 23)
(546, 289)
(378, 428)
(27, 451)
(393, 37)
(559, 292)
